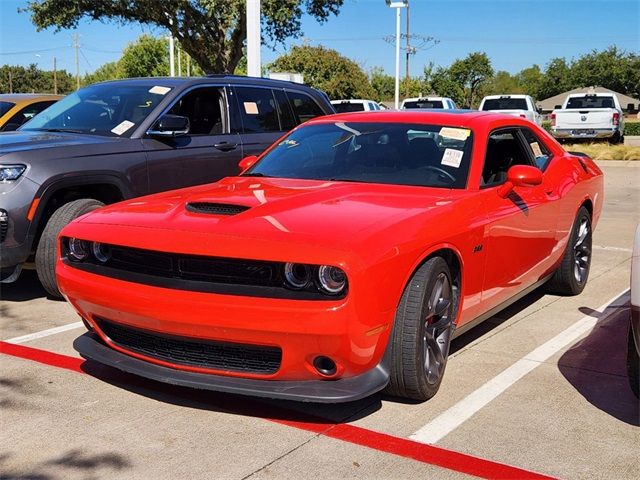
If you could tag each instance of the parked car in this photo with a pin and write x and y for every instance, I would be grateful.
(117, 140)
(18, 108)
(353, 250)
(522, 106)
(633, 351)
(429, 103)
(589, 116)
(355, 105)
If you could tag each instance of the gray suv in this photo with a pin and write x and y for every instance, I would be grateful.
(117, 140)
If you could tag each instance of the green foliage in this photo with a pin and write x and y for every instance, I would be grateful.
(108, 71)
(502, 82)
(383, 85)
(632, 128)
(611, 68)
(326, 70)
(146, 57)
(212, 32)
(471, 73)
(33, 80)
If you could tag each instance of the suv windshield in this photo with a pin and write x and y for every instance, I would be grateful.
(423, 104)
(504, 104)
(388, 153)
(590, 101)
(110, 109)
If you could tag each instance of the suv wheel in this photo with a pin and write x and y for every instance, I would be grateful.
(48, 245)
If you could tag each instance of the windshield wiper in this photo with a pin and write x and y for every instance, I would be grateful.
(346, 180)
(63, 130)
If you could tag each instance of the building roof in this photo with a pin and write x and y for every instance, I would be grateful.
(549, 104)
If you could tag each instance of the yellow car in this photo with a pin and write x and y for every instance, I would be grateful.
(18, 108)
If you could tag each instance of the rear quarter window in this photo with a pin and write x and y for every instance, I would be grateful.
(304, 107)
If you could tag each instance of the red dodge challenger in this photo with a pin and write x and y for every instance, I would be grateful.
(340, 263)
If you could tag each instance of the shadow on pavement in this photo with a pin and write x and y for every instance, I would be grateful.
(27, 287)
(596, 367)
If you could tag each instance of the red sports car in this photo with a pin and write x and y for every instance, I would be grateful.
(341, 262)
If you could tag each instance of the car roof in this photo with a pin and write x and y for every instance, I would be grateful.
(352, 100)
(461, 118)
(227, 79)
(21, 97)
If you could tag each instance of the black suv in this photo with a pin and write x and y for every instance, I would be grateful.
(116, 140)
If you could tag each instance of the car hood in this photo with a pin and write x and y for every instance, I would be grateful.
(277, 210)
(28, 140)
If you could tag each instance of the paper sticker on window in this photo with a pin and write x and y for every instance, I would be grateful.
(536, 149)
(455, 133)
(452, 158)
(159, 90)
(122, 127)
(251, 108)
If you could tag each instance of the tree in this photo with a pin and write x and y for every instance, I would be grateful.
(611, 68)
(212, 32)
(556, 79)
(18, 79)
(383, 85)
(471, 73)
(502, 82)
(108, 71)
(146, 57)
(530, 80)
(326, 70)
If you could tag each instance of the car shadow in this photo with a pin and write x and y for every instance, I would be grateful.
(596, 367)
(26, 287)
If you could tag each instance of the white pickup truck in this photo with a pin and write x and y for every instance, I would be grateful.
(589, 116)
(519, 105)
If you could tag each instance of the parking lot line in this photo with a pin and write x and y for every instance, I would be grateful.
(44, 333)
(456, 415)
(402, 447)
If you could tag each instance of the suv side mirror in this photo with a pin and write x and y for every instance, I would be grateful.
(247, 162)
(170, 126)
(520, 176)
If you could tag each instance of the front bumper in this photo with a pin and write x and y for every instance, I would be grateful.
(583, 133)
(320, 391)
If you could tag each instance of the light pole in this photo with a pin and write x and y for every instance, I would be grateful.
(254, 68)
(398, 4)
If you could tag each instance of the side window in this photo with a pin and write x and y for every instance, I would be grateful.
(204, 108)
(287, 122)
(27, 113)
(539, 150)
(258, 110)
(304, 107)
(504, 150)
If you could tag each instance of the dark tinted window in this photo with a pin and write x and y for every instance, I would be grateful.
(424, 104)
(505, 104)
(204, 108)
(539, 150)
(258, 110)
(504, 150)
(590, 101)
(26, 114)
(344, 107)
(304, 107)
(389, 153)
(5, 107)
(287, 122)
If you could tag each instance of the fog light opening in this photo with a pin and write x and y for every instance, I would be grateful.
(325, 366)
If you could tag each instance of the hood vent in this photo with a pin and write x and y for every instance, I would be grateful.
(209, 208)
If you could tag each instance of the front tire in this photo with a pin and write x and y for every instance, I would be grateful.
(422, 332)
(633, 363)
(48, 244)
(571, 276)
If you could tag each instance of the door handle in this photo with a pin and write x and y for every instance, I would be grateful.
(225, 146)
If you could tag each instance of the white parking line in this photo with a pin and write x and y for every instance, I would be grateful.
(462, 411)
(613, 249)
(44, 333)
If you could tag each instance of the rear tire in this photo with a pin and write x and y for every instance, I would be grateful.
(633, 364)
(48, 245)
(422, 332)
(571, 276)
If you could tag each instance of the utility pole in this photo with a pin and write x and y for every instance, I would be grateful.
(55, 77)
(254, 67)
(408, 54)
(179, 62)
(10, 81)
(172, 68)
(76, 44)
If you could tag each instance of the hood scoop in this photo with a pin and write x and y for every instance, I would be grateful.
(209, 208)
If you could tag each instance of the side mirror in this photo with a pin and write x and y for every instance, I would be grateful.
(520, 176)
(170, 126)
(247, 162)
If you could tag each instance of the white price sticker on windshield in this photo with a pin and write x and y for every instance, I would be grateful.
(452, 158)
(251, 108)
(122, 127)
(159, 90)
(536, 149)
(455, 133)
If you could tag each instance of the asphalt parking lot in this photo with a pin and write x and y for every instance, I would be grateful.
(538, 390)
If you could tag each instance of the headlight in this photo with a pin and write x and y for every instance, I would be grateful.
(101, 251)
(9, 173)
(297, 275)
(78, 249)
(332, 279)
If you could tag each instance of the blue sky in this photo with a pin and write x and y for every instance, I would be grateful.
(514, 33)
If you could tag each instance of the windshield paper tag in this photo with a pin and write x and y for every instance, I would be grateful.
(452, 158)
(536, 149)
(455, 133)
(122, 127)
(251, 108)
(159, 90)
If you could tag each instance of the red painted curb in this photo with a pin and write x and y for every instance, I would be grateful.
(402, 447)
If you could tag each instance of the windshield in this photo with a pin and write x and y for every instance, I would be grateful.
(388, 153)
(104, 109)
(423, 104)
(590, 101)
(504, 104)
(5, 107)
(344, 107)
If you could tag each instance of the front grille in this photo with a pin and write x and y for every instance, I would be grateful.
(216, 208)
(231, 357)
